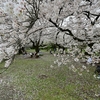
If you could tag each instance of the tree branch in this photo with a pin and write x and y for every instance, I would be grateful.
(67, 31)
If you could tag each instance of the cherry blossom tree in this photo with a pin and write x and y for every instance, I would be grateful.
(72, 22)
(17, 17)
(76, 22)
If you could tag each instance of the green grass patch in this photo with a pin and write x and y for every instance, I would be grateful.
(33, 79)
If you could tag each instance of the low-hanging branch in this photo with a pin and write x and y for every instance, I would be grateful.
(61, 29)
(67, 31)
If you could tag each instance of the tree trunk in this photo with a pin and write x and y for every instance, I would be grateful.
(37, 51)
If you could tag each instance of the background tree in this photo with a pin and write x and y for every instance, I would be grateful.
(36, 43)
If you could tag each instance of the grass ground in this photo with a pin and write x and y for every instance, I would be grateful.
(34, 79)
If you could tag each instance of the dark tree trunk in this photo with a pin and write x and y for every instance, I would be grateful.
(22, 51)
(37, 49)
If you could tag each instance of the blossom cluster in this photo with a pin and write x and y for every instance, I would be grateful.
(11, 35)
